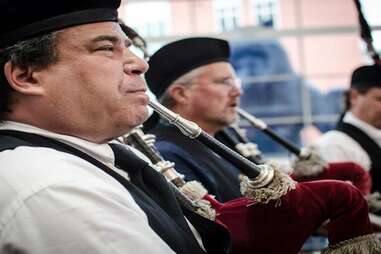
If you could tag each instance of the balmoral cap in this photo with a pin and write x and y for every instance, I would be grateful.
(24, 19)
(366, 76)
(180, 57)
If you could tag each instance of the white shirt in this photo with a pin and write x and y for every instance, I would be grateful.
(336, 146)
(54, 202)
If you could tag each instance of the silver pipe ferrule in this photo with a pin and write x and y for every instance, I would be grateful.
(258, 123)
(188, 128)
(265, 177)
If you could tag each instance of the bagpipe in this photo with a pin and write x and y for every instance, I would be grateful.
(233, 214)
(289, 219)
(366, 34)
(263, 127)
(309, 165)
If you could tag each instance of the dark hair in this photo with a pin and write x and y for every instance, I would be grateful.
(36, 53)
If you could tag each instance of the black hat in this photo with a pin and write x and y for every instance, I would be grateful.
(23, 19)
(366, 76)
(177, 58)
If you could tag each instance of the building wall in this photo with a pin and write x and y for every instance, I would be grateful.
(326, 60)
(192, 17)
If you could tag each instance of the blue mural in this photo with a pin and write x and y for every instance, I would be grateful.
(276, 98)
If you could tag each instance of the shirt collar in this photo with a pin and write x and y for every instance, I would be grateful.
(101, 152)
(371, 131)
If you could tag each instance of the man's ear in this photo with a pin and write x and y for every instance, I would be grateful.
(353, 95)
(179, 93)
(22, 80)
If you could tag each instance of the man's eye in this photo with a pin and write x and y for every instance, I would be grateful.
(107, 48)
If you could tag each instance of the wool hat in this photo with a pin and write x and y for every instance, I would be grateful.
(177, 58)
(24, 19)
(366, 76)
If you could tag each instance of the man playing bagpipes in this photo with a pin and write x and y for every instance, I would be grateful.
(69, 84)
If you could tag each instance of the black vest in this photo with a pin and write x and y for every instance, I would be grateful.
(218, 176)
(150, 191)
(371, 148)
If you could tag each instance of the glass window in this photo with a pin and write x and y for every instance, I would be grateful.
(227, 13)
(145, 18)
(264, 12)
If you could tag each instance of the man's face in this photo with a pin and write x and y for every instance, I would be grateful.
(95, 89)
(367, 106)
(214, 97)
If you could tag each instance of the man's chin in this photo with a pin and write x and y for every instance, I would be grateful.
(141, 119)
(138, 121)
(145, 116)
(232, 119)
(226, 122)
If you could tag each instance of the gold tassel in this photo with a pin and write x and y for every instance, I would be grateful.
(366, 244)
(195, 192)
(278, 187)
(205, 209)
(313, 165)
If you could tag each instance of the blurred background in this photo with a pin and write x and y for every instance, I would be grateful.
(294, 57)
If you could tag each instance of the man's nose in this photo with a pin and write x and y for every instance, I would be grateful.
(236, 89)
(134, 65)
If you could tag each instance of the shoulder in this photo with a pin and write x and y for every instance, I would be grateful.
(336, 146)
(50, 191)
(32, 173)
(33, 162)
(336, 138)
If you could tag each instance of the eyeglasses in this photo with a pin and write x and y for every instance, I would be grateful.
(230, 82)
(226, 82)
